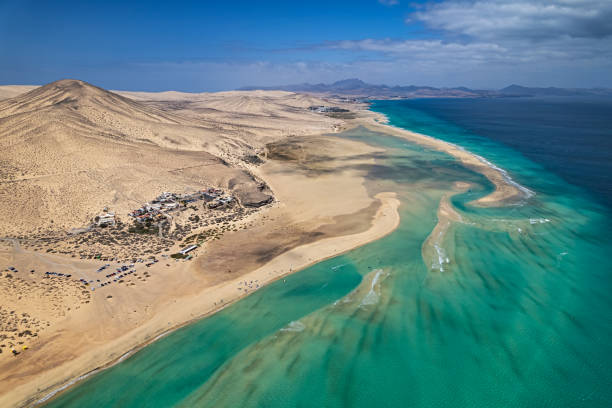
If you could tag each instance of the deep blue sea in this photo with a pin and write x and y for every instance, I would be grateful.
(572, 137)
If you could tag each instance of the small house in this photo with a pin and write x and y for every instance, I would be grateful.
(105, 219)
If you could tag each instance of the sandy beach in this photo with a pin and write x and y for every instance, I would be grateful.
(186, 308)
(506, 190)
(305, 204)
(311, 219)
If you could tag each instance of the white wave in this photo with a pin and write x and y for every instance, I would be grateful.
(527, 192)
(372, 297)
(560, 257)
(538, 220)
(295, 326)
(123, 357)
(345, 299)
(442, 258)
(63, 387)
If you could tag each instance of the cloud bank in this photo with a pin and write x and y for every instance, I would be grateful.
(569, 39)
(535, 20)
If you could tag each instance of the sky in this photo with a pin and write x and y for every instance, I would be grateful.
(218, 45)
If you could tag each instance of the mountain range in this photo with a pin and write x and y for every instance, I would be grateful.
(359, 89)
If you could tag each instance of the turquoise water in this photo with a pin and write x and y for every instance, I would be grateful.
(570, 136)
(521, 314)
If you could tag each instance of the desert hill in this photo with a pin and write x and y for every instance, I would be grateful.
(223, 121)
(70, 149)
(78, 106)
(259, 116)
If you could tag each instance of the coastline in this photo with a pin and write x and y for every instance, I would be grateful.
(385, 222)
(507, 191)
(293, 260)
(195, 299)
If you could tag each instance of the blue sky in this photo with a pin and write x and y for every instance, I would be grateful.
(210, 45)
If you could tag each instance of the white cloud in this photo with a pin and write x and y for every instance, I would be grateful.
(567, 38)
(529, 20)
(481, 52)
(484, 44)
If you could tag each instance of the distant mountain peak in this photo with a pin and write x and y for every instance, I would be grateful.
(351, 83)
(513, 87)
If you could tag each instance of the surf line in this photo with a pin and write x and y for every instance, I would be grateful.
(121, 358)
(527, 193)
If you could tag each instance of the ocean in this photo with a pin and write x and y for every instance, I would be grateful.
(508, 307)
(569, 136)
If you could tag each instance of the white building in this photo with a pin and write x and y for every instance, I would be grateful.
(106, 219)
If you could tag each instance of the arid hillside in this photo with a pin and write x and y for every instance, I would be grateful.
(251, 118)
(70, 148)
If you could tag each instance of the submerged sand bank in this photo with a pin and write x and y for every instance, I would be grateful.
(434, 251)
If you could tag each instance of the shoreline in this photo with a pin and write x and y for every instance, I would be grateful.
(297, 259)
(507, 191)
(294, 260)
